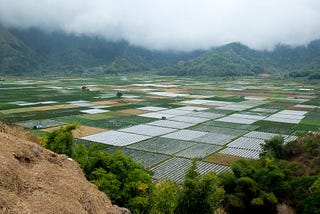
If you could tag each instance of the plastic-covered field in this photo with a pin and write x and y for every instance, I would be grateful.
(167, 94)
(219, 130)
(100, 106)
(290, 138)
(187, 119)
(171, 124)
(195, 102)
(185, 135)
(248, 116)
(148, 130)
(236, 120)
(175, 168)
(260, 135)
(241, 118)
(152, 108)
(147, 159)
(235, 107)
(305, 106)
(247, 143)
(265, 110)
(240, 153)
(287, 116)
(192, 108)
(198, 151)
(116, 138)
(175, 112)
(94, 111)
(81, 103)
(23, 103)
(208, 115)
(267, 135)
(156, 115)
(162, 145)
(215, 138)
(217, 103)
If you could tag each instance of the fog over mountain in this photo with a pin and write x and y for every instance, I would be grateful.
(173, 24)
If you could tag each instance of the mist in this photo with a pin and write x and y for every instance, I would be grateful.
(182, 25)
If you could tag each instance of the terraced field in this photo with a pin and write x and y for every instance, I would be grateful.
(165, 122)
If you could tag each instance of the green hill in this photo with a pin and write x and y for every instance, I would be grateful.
(32, 50)
(15, 56)
(236, 59)
(25, 52)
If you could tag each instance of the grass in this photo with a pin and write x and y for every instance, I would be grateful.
(276, 105)
(101, 116)
(125, 106)
(164, 102)
(228, 99)
(231, 125)
(222, 159)
(38, 115)
(306, 127)
(314, 101)
(313, 115)
(275, 127)
(215, 129)
(118, 122)
(70, 119)
(220, 111)
(17, 110)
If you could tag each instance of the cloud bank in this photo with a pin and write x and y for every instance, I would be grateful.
(173, 24)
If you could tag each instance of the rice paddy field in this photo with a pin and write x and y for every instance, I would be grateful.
(165, 122)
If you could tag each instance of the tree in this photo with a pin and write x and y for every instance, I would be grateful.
(312, 201)
(256, 186)
(201, 193)
(107, 183)
(273, 147)
(164, 198)
(119, 94)
(61, 140)
(126, 182)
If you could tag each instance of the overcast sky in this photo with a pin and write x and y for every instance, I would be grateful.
(173, 24)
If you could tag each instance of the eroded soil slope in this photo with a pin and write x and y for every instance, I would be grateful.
(36, 180)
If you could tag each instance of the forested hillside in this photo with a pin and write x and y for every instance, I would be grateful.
(33, 51)
(236, 59)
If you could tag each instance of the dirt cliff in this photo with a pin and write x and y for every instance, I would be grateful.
(36, 180)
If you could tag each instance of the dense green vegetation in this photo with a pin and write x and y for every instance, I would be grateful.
(33, 51)
(229, 60)
(237, 60)
(284, 174)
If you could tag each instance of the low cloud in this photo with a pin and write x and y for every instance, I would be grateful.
(173, 24)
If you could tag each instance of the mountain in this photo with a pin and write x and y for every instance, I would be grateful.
(236, 59)
(36, 180)
(59, 52)
(230, 60)
(32, 51)
(15, 55)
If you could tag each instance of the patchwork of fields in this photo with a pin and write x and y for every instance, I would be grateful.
(164, 122)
